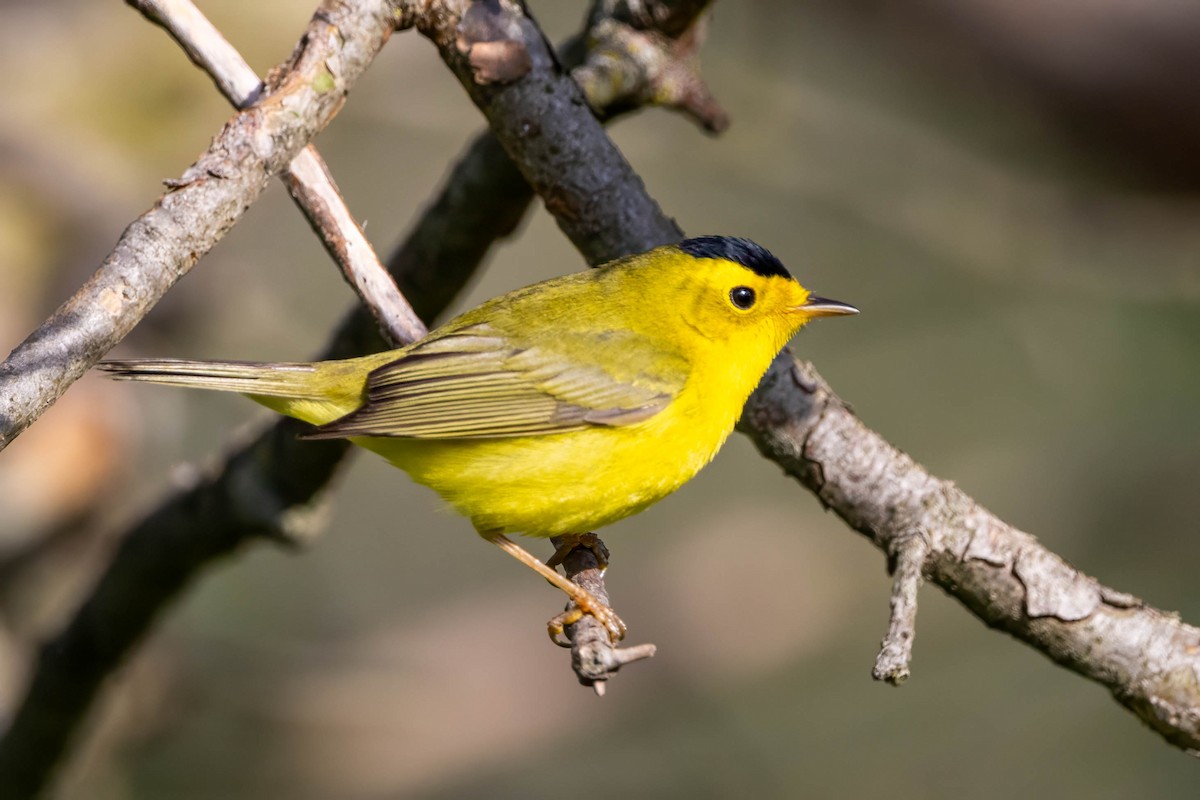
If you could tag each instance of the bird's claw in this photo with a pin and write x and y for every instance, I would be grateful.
(613, 624)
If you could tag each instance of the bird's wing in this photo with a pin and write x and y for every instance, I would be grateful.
(477, 383)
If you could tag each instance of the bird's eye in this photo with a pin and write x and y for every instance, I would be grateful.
(742, 297)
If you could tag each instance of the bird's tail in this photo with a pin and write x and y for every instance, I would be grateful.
(316, 393)
(246, 377)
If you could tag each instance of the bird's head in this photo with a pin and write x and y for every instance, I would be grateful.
(739, 290)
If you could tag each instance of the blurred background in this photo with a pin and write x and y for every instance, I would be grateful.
(1007, 188)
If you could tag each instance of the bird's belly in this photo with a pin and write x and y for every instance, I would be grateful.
(566, 483)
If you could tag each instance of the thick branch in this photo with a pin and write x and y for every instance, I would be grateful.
(200, 207)
(1147, 658)
(546, 127)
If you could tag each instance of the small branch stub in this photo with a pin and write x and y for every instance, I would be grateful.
(632, 60)
(594, 657)
(491, 42)
(895, 654)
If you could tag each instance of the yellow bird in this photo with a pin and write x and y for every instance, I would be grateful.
(559, 408)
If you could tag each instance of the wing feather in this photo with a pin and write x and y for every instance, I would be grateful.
(475, 383)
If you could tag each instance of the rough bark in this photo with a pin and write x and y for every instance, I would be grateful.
(158, 248)
(1147, 658)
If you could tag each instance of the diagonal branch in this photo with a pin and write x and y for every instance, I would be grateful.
(545, 125)
(307, 178)
(198, 209)
(1148, 659)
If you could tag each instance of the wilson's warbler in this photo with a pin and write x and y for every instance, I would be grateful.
(558, 408)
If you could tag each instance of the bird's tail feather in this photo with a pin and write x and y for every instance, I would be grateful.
(296, 380)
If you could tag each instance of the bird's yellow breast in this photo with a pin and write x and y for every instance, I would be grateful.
(572, 482)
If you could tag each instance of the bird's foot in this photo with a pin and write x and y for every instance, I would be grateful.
(584, 601)
(585, 604)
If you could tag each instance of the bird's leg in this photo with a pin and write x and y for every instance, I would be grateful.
(585, 602)
(564, 544)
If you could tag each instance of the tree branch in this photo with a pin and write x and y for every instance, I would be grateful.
(908, 555)
(198, 209)
(307, 177)
(1148, 659)
(593, 657)
(267, 489)
(547, 128)
(649, 54)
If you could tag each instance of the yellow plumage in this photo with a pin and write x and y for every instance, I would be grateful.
(561, 407)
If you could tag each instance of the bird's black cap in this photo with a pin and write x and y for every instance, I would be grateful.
(753, 257)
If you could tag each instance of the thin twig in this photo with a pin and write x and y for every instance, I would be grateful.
(307, 177)
(206, 47)
(648, 53)
(200, 207)
(594, 657)
(312, 187)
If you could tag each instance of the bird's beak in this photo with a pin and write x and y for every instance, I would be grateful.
(822, 307)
